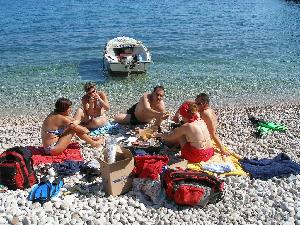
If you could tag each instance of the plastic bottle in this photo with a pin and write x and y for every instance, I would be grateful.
(111, 149)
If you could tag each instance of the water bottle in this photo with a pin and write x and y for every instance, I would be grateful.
(111, 149)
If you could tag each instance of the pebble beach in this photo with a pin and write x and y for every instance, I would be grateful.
(243, 54)
(246, 201)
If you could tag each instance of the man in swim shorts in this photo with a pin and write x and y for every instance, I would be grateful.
(94, 103)
(150, 107)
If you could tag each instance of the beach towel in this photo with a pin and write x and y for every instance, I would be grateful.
(279, 166)
(72, 152)
(231, 165)
(108, 128)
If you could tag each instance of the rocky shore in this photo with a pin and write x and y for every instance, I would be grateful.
(247, 201)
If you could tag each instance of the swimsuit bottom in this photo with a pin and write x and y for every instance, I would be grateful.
(133, 119)
(195, 155)
(48, 150)
(85, 121)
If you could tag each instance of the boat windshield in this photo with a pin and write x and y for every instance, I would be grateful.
(123, 51)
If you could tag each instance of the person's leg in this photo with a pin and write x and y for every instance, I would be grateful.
(63, 142)
(65, 139)
(97, 122)
(122, 118)
(81, 116)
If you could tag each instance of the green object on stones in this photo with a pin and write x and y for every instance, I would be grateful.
(272, 126)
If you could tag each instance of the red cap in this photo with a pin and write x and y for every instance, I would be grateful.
(185, 112)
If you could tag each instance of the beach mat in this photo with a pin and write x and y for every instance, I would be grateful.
(217, 162)
(72, 152)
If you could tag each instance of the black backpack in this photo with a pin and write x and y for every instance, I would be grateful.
(16, 168)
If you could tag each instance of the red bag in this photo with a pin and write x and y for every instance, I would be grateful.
(192, 188)
(16, 168)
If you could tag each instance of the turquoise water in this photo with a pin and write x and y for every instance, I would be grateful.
(237, 51)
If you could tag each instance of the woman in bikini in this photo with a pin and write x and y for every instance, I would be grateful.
(94, 104)
(58, 129)
(193, 136)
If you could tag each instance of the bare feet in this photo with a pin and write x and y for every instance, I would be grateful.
(98, 143)
(97, 138)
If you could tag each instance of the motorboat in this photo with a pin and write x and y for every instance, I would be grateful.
(125, 56)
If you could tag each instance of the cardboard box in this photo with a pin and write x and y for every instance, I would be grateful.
(116, 177)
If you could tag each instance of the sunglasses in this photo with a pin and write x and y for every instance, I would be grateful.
(91, 92)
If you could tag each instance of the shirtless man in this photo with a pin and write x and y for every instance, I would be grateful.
(150, 106)
(209, 117)
(58, 129)
(94, 103)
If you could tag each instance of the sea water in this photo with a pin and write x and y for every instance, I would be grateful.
(237, 51)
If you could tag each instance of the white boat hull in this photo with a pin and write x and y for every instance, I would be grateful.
(141, 67)
(124, 56)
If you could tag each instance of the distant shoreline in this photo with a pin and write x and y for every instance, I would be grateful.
(171, 107)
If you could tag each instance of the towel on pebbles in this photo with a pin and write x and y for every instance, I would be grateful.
(72, 152)
(280, 165)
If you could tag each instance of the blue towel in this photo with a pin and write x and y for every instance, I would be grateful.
(281, 165)
(108, 128)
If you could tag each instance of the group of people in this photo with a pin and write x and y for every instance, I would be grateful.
(197, 122)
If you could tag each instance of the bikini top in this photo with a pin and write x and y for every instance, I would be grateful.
(57, 132)
(201, 142)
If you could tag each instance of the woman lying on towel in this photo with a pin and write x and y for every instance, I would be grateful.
(193, 136)
(59, 128)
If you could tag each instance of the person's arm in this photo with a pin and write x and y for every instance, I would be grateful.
(74, 125)
(102, 98)
(176, 117)
(86, 103)
(174, 136)
(211, 126)
(146, 106)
